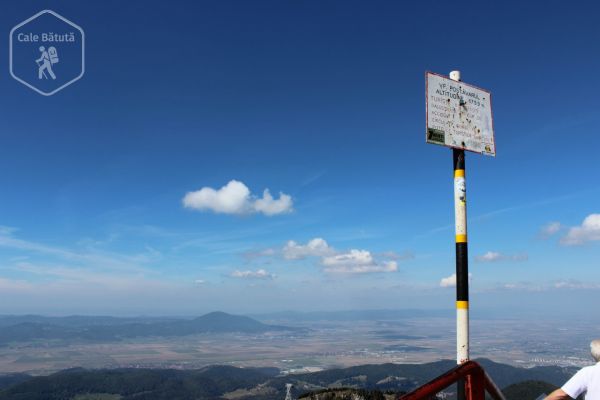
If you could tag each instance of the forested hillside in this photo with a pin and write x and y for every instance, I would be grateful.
(255, 383)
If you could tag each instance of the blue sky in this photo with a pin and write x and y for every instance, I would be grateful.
(321, 103)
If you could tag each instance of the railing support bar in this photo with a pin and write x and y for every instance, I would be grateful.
(477, 382)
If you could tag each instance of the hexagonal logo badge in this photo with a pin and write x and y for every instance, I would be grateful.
(47, 52)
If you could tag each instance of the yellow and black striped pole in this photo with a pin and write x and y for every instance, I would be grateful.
(462, 258)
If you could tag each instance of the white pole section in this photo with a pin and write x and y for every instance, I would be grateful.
(462, 259)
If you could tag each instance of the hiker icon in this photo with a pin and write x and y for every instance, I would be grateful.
(45, 62)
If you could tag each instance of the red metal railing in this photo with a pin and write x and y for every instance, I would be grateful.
(477, 382)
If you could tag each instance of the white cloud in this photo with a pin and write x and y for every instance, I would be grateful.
(199, 282)
(337, 262)
(490, 256)
(235, 198)
(550, 229)
(258, 274)
(589, 231)
(356, 262)
(316, 247)
(353, 257)
(232, 198)
(451, 280)
(269, 206)
(353, 261)
(386, 266)
(493, 256)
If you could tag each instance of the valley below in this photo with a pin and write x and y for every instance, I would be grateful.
(310, 346)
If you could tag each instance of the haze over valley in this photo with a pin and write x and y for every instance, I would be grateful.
(300, 342)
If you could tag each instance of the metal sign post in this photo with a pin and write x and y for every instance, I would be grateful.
(459, 116)
(462, 258)
(462, 252)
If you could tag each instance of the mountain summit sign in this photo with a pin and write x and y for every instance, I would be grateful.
(459, 115)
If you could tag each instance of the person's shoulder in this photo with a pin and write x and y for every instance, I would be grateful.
(591, 369)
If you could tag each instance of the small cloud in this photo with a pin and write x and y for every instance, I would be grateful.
(589, 231)
(352, 261)
(387, 266)
(490, 256)
(258, 274)
(316, 247)
(549, 230)
(353, 257)
(199, 282)
(356, 262)
(450, 281)
(232, 198)
(494, 256)
(270, 206)
(235, 198)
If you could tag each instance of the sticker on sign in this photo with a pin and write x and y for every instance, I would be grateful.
(459, 115)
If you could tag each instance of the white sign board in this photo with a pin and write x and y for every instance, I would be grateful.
(459, 115)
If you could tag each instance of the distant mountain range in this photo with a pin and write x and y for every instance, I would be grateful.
(28, 328)
(225, 382)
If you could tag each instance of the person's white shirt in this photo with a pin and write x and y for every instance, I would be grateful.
(586, 380)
